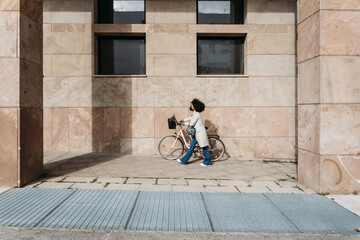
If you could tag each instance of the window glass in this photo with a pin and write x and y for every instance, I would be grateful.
(122, 11)
(220, 12)
(121, 55)
(220, 55)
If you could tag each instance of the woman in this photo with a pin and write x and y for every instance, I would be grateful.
(200, 136)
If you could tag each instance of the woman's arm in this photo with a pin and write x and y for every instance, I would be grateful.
(193, 120)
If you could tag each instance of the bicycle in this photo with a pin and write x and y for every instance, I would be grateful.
(172, 147)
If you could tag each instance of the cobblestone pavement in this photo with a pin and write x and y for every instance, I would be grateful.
(75, 170)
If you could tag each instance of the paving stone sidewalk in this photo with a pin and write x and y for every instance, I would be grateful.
(75, 170)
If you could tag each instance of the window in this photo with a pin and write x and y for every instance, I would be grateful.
(220, 55)
(220, 12)
(121, 11)
(121, 55)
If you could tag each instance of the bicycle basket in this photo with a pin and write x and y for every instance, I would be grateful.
(172, 122)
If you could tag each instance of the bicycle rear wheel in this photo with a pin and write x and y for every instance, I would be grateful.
(216, 149)
(171, 148)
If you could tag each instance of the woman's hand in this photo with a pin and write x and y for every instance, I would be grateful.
(182, 123)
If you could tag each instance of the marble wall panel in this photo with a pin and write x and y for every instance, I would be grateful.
(340, 79)
(68, 11)
(63, 43)
(172, 65)
(68, 65)
(120, 92)
(340, 129)
(33, 9)
(94, 118)
(212, 118)
(31, 39)
(154, 92)
(146, 146)
(31, 144)
(270, 12)
(267, 91)
(340, 4)
(274, 122)
(161, 119)
(111, 130)
(309, 128)
(8, 33)
(47, 66)
(8, 146)
(77, 129)
(222, 92)
(309, 38)
(271, 43)
(89, 65)
(271, 65)
(80, 94)
(309, 81)
(168, 11)
(239, 122)
(339, 174)
(60, 129)
(307, 8)
(174, 43)
(47, 129)
(31, 84)
(171, 28)
(47, 11)
(283, 148)
(9, 80)
(129, 145)
(56, 92)
(340, 33)
(137, 122)
(10, 5)
(309, 167)
(239, 147)
(184, 90)
(71, 28)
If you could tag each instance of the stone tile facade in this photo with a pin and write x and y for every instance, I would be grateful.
(328, 95)
(87, 112)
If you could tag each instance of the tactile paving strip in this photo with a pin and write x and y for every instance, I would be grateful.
(170, 211)
(315, 214)
(93, 209)
(233, 212)
(27, 207)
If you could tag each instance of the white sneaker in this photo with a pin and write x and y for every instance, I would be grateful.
(179, 161)
(203, 165)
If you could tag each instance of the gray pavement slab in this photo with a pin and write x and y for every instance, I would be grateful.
(93, 209)
(26, 207)
(315, 214)
(170, 211)
(245, 213)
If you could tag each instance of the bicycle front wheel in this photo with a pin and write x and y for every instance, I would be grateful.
(171, 148)
(216, 149)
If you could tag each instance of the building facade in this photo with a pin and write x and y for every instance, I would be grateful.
(280, 80)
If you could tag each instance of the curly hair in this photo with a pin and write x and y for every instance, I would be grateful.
(198, 105)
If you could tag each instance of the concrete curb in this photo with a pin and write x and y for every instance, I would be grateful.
(7, 233)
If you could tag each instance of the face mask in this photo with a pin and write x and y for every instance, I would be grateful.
(191, 109)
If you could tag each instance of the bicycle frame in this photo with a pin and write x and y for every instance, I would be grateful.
(181, 134)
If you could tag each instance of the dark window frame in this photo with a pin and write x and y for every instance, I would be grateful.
(241, 55)
(98, 17)
(114, 37)
(242, 14)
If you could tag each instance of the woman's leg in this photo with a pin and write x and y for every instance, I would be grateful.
(187, 156)
(207, 160)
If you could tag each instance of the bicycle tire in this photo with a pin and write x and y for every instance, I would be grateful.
(215, 142)
(174, 152)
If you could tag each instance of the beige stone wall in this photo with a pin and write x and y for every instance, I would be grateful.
(255, 114)
(329, 95)
(21, 143)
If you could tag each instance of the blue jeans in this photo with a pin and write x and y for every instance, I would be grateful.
(186, 158)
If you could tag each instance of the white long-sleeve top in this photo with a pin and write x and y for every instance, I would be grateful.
(196, 121)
